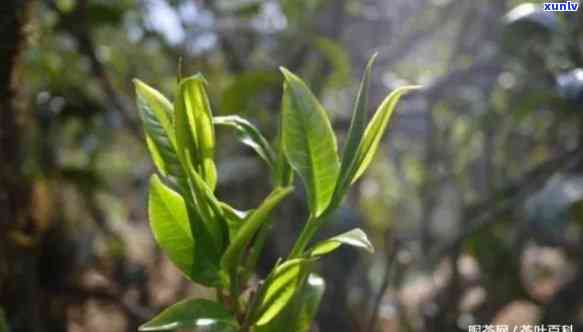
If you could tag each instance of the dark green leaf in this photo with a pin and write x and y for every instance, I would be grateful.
(249, 135)
(356, 238)
(309, 142)
(196, 314)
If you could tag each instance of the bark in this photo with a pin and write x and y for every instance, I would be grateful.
(18, 291)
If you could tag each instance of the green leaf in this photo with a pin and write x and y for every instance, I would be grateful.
(298, 315)
(250, 226)
(208, 207)
(196, 314)
(256, 248)
(375, 130)
(249, 135)
(234, 218)
(194, 128)
(280, 287)
(310, 298)
(207, 257)
(170, 225)
(309, 142)
(357, 126)
(180, 233)
(156, 113)
(283, 175)
(356, 238)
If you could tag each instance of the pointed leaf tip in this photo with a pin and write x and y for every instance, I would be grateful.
(280, 287)
(199, 77)
(376, 128)
(283, 70)
(309, 142)
(356, 238)
(350, 156)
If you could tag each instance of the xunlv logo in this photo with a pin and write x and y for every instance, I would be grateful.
(561, 6)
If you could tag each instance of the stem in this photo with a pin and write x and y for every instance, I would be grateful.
(232, 255)
(257, 247)
(308, 232)
(235, 293)
(251, 308)
(220, 295)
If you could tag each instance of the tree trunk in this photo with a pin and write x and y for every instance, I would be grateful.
(17, 259)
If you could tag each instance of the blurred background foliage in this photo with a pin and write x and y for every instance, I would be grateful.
(474, 203)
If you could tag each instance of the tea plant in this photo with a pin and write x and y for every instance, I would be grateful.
(217, 246)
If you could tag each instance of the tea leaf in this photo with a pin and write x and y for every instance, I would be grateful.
(375, 130)
(249, 135)
(309, 142)
(195, 314)
(194, 128)
(156, 113)
(356, 238)
(208, 207)
(298, 315)
(355, 134)
(283, 174)
(234, 218)
(309, 299)
(180, 233)
(280, 288)
(250, 227)
(170, 225)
